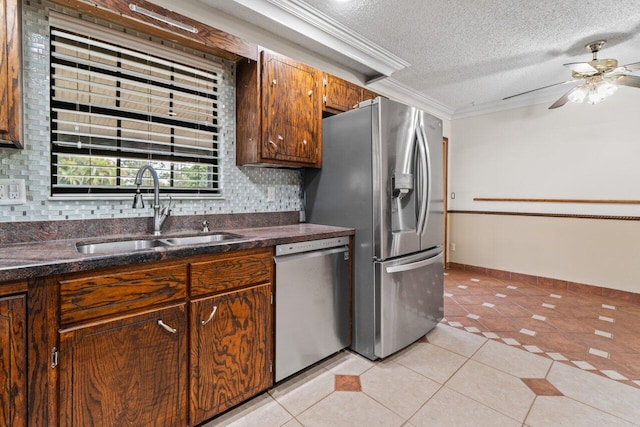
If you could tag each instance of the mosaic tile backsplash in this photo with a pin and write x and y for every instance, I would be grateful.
(244, 189)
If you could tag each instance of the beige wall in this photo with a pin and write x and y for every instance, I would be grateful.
(574, 152)
(596, 252)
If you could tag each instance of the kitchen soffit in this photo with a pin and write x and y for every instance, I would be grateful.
(452, 57)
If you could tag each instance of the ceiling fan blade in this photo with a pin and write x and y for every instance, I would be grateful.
(563, 99)
(633, 81)
(632, 67)
(581, 67)
(540, 88)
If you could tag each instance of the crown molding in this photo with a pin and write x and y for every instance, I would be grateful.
(302, 18)
(399, 91)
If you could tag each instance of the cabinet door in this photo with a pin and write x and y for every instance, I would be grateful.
(231, 348)
(340, 95)
(367, 95)
(130, 371)
(13, 361)
(10, 73)
(291, 111)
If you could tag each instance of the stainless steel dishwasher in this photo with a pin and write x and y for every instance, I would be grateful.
(312, 303)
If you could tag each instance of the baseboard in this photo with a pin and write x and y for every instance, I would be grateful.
(547, 282)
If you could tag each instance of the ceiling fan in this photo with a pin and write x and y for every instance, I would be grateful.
(599, 78)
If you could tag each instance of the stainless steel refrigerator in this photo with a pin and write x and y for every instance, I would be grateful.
(382, 175)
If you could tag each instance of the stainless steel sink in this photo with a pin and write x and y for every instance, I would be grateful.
(119, 246)
(206, 238)
(141, 244)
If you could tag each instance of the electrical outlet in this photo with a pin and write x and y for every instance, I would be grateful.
(453, 247)
(12, 192)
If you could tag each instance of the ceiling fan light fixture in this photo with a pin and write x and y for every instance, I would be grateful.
(579, 94)
(599, 79)
(593, 92)
(600, 91)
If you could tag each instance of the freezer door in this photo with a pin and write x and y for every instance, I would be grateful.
(409, 299)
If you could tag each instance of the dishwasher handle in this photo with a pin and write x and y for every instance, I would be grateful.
(311, 245)
(313, 254)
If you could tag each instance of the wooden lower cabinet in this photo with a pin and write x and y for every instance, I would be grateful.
(130, 371)
(169, 343)
(13, 361)
(230, 349)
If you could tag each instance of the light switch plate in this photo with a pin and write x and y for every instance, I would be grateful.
(12, 192)
(271, 194)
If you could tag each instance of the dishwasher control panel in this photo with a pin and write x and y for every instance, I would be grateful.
(311, 245)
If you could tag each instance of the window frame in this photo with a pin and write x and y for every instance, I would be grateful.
(144, 44)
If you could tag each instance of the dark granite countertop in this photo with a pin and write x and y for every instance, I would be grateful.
(21, 261)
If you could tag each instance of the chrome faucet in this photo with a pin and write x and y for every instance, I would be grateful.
(160, 213)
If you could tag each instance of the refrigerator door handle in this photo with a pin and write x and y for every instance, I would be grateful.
(414, 265)
(425, 164)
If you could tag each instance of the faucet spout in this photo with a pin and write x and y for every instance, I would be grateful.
(160, 213)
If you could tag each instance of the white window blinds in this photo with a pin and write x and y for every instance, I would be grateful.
(115, 108)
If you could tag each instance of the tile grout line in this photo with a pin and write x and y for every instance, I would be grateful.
(601, 410)
(533, 402)
(482, 403)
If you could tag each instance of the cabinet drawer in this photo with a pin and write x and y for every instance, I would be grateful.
(116, 292)
(231, 271)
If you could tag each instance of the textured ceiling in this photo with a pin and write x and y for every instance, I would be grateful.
(478, 52)
(468, 54)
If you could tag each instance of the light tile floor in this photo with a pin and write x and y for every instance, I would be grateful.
(527, 356)
(451, 378)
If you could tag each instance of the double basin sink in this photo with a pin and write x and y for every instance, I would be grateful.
(156, 242)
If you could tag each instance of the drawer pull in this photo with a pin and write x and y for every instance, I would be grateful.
(204, 322)
(167, 327)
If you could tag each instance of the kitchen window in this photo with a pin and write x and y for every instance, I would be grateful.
(119, 102)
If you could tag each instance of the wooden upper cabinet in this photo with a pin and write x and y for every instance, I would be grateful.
(279, 112)
(13, 361)
(10, 74)
(367, 95)
(152, 19)
(130, 371)
(340, 95)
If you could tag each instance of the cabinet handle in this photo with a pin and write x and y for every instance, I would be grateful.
(304, 141)
(275, 146)
(167, 327)
(204, 322)
(310, 92)
(274, 82)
